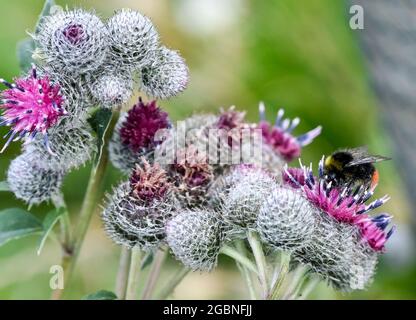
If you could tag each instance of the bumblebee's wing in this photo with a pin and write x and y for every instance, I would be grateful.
(358, 152)
(367, 159)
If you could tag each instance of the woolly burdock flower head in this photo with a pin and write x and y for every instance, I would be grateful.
(136, 133)
(166, 76)
(32, 105)
(279, 137)
(133, 38)
(248, 188)
(286, 219)
(346, 206)
(137, 211)
(192, 175)
(195, 238)
(72, 144)
(31, 182)
(231, 123)
(338, 254)
(149, 182)
(74, 42)
(110, 90)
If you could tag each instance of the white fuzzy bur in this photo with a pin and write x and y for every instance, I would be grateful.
(286, 220)
(72, 144)
(73, 42)
(245, 192)
(166, 76)
(110, 90)
(32, 183)
(133, 39)
(131, 222)
(337, 253)
(195, 238)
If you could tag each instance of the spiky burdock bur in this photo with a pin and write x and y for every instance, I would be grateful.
(31, 106)
(110, 89)
(31, 182)
(133, 39)
(245, 191)
(136, 135)
(195, 238)
(137, 211)
(192, 176)
(347, 241)
(72, 144)
(166, 75)
(337, 253)
(286, 219)
(193, 131)
(72, 42)
(75, 91)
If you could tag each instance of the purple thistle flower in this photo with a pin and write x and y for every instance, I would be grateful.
(345, 205)
(142, 123)
(149, 182)
(74, 33)
(232, 122)
(31, 105)
(280, 136)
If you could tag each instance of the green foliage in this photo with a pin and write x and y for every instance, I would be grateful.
(25, 50)
(16, 223)
(48, 223)
(99, 122)
(101, 295)
(26, 47)
(4, 186)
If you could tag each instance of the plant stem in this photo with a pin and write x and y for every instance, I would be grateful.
(173, 283)
(89, 205)
(296, 283)
(260, 261)
(65, 237)
(283, 271)
(64, 221)
(134, 272)
(244, 271)
(123, 273)
(240, 258)
(309, 287)
(154, 274)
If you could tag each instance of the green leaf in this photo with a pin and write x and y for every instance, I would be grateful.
(48, 223)
(46, 11)
(99, 122)
(148, 259)
(4, 186)
(25, 50)
(101, 295)
(26, 47)
(16, 223)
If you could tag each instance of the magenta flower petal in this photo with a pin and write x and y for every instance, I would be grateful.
(280, 138)
(32, 105)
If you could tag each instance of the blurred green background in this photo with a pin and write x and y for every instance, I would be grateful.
(300, 55)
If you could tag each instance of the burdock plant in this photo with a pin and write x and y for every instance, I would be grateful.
(212, 184)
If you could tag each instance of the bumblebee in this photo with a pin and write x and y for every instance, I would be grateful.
(353, 168)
